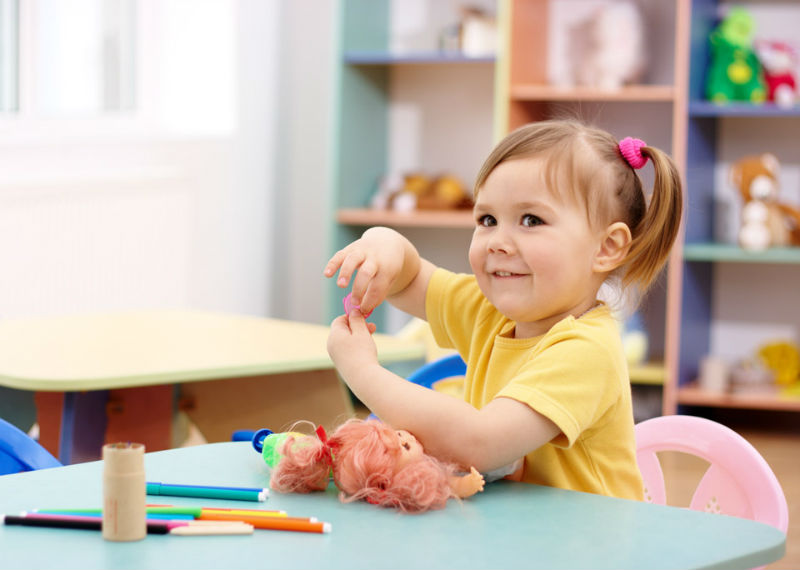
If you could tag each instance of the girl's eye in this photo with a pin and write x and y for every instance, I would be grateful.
(529, 220)
(487, 221)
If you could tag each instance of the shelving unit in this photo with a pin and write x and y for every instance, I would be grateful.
(371, 73)
(703, 258)
(653, 110)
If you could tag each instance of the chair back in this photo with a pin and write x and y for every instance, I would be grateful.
(445, 367)
(19, 452)
(738, 482)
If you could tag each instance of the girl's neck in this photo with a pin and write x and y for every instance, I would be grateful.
(538, 328)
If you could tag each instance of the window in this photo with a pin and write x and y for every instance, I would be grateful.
(67, 59)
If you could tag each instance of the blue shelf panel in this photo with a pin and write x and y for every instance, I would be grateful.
(423, 57)
(717, 252)
(709, 109)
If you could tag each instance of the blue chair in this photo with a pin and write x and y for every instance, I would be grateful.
(446, 367)
(19, 452)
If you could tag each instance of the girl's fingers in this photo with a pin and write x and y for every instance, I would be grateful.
(349, 264)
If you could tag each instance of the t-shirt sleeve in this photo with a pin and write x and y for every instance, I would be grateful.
(452, 304)
(572, 381)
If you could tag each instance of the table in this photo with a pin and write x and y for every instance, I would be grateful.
(117, 373)
(509, 525)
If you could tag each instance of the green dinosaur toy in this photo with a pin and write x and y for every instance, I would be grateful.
(735, 74)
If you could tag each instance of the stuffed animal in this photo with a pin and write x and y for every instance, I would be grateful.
(735, 73)
(765, 221)
(416, 191)
(368, 460)
(779, 61)
(607, 49)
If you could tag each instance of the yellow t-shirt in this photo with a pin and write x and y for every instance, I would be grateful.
(575, 374)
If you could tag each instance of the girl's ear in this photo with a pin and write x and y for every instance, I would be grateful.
(613, 249)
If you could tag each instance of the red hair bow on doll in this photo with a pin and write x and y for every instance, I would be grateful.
(327, 454)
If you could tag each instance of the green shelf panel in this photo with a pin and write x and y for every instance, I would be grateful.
(717, 252)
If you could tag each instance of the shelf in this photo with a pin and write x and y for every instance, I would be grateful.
(763, 110)
(652, 374)
(692, 395)
(543, 92)
(413, 58)
(735, 254)
(418, 218)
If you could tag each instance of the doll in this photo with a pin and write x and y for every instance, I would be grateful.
(368, 460)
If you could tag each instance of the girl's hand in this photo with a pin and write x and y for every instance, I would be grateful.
(378, 258)
(350, 343)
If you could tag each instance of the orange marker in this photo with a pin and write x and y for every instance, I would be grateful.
(270, 523)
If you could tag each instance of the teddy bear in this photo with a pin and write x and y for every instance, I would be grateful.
(607, 49)
(765, 221)
(778, 60)
(417, 191)
(735, 73)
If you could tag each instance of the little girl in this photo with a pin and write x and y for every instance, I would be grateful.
(559, 210)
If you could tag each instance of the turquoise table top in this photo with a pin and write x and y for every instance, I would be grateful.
(509, 525)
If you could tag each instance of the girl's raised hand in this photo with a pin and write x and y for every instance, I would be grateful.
(350, 342)
(376, 259)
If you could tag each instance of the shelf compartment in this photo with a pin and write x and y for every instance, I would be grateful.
(417, 218)
(693, 395)
(632, 93)
(649, 373)
(708, 109)
(718, 252)
(411, 58)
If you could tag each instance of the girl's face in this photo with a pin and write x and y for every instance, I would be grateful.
(532, 252)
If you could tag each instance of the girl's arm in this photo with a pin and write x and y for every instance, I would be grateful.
(448, 428)
(386, 266)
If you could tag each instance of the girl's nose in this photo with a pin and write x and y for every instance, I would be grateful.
(499, 242)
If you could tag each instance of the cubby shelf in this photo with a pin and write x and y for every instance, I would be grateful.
(630, 93)
(763, 110)
(717, 252)
(692, 395)
(418, 218)
(419, 57)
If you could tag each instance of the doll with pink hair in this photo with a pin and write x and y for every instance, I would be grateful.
(372, 461)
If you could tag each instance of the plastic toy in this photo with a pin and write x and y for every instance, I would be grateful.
(735, 74)
(779, 61)
(416, 191)
(765, 221)
(349, 306)
(368, 460)
(607, 49)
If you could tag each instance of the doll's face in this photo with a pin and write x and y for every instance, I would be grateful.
(410, 449)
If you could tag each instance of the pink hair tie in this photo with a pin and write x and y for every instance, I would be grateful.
(631, 150)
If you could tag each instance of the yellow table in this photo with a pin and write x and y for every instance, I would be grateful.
(233, 372)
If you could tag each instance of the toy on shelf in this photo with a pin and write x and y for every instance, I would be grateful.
(607, 49)
(765, 221)
(368, 460)
(779, 61)
(417, 191)
(735, 73)
(783, 358)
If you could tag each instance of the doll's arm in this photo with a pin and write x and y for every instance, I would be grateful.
(464, 486)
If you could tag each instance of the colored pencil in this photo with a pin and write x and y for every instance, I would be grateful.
(207, 491)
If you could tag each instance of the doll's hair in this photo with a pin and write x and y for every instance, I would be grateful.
(363, 456)
(584, 164)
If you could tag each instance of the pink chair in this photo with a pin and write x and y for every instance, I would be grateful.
(738, 482)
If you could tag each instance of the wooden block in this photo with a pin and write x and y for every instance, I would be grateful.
(143, 415)
(220, 407)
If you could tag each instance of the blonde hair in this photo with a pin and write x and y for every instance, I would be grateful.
(584, 164)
